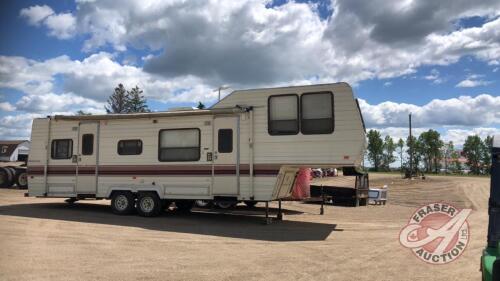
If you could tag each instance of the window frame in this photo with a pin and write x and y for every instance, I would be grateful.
(136, 140)
(92, 147)
(179, 129)
(52, 152)
(219, 143)
(333, 112)
(269, 115)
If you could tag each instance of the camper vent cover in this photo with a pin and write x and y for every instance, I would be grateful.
(207, 123)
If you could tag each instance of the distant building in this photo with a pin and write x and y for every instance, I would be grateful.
(14, 150)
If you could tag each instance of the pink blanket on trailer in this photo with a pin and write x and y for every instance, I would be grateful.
(302, 188)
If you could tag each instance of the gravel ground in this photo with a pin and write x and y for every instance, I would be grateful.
(47, 239)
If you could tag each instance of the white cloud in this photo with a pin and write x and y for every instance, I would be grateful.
(387, 84)
(473, 80)
(6, 106)
(434, 76)
(36, 14)
(456, 135)
(51, 102)
(462, 111)
(61, 26)
(248, 44)
(17, 126)
(93, 78)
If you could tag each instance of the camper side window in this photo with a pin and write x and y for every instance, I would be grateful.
(129, 147)
(179, 145)
(87, 144)
(283, 115)
(62, 149)
(316, 113)
(225, 144)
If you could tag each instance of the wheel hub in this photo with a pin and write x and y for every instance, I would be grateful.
(121, 202)
(23, 178)
(147, 204)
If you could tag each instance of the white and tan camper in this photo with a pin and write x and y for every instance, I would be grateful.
(247, 147)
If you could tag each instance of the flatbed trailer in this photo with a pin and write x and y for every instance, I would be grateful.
(352, 190)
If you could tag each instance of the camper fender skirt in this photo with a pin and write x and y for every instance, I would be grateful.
(134, 190)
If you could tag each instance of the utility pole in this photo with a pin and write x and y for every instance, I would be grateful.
(411, 148)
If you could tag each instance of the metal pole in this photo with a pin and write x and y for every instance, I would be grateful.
(322, 210)
(411, 148)
(280, 215)
(219, 93)
(268, 221)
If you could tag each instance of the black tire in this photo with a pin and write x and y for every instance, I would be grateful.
(149, 204)
(122, 202)
(184, 205)
(363, 201)
(250, 204)
(5, 177)
(225, 204)
(22, 179)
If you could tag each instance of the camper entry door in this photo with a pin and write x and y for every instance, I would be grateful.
(225, 156)
(86, 180)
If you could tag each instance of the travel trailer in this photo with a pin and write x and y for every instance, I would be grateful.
(247, 147)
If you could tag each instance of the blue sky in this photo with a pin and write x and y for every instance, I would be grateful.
(433, 59)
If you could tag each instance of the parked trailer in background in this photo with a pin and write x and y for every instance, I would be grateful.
(247, 147)
(13, 173)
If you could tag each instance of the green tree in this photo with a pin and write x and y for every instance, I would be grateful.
(401, 145)
(414, 151)
(449, 148)
(200, 105)
(389, 147)
(117, 102)
(136, 102)
(375, 148)
(473, 150)
(431, 145)
(486, 158)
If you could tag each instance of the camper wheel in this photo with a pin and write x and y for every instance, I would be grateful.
(22, 179)
(226, 204)
(122, 202)
(149, 204)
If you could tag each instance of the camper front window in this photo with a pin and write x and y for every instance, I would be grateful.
(179, 145)
(283, 115)
(62, 149)
(316, 113)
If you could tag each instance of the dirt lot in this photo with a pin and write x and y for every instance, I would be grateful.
(46, 239)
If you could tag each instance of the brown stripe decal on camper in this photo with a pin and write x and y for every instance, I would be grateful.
(157, 170)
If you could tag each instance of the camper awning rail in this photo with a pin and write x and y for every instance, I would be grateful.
(215, 111)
